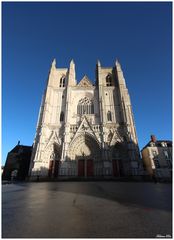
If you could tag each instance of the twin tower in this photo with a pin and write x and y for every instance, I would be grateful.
(85, 129)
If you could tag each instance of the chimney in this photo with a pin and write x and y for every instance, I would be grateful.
(153, 138)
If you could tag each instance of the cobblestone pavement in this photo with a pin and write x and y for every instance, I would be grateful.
(86, 210)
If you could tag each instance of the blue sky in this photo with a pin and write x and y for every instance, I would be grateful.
(138, 34)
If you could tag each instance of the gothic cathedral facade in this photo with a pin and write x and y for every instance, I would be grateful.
(85, 129)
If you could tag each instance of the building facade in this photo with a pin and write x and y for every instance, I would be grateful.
(85, 129)
(17, 163)
(157, 158)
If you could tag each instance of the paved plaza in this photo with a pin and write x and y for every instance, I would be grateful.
(86, 210)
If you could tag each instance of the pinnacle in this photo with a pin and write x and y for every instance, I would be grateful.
(54, 62)
(72, 62)
(98, 63)
(116, 62)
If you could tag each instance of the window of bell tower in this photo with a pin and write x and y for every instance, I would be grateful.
(109, 80)
(62, 82)
(109, 116)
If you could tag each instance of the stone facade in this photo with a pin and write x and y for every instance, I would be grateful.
(85, 129)
(157, 158)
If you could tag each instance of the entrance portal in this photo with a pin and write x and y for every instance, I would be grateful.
(115, 167)
(53, 168)
(86, 150)
(81, 168)
(90, 168)
(85, 168)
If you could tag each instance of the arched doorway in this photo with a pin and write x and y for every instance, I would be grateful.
(118, 158)
(54, 160)
(85, 149)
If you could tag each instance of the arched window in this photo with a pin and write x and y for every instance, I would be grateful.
(62, 81)
(109, 80)
(85, 106)
(61, 116)
(109, 116)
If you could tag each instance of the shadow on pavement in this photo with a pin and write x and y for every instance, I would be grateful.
(141, 194)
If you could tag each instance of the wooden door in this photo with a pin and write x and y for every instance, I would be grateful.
(81, 168)
(56, 168)
(115, 168)
(121, 170)
(50, 170)
(90, 168)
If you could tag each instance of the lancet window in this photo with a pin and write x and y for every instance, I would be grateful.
(61, 116)
(109, 80)
(85, 106)
(62, 82)
(109, 116)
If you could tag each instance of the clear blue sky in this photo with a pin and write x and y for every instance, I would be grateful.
(138, 34)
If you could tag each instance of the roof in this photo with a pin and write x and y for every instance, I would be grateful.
(85, 82)
(23, 147)
(158, 143)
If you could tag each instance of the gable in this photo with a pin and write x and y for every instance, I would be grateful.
(84, 127)
(85, 82)
(52, 139)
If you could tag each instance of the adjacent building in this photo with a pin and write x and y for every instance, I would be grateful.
(85, 128)
(157, 158)
(2, 169)
(17, 163)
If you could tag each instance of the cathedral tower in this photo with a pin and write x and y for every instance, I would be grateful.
(83, 129)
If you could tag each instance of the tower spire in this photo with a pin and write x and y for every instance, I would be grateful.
(119, 71)
(72, 62)
(53, 65)
(117, 63)
(98, 63)
(72, 74)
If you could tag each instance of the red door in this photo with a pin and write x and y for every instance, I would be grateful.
(81, 168)
(50, 168)
(121, 171)
(90, 168)
(56, 168)
(115, 168)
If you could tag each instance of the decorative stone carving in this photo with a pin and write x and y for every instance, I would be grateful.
(110, 135)
(85, 82)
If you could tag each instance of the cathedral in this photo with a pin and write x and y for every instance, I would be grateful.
(85, 129)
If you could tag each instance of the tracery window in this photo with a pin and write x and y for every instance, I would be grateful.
(109, 116)
(109, 80)
(85, 106)
(62, 81)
